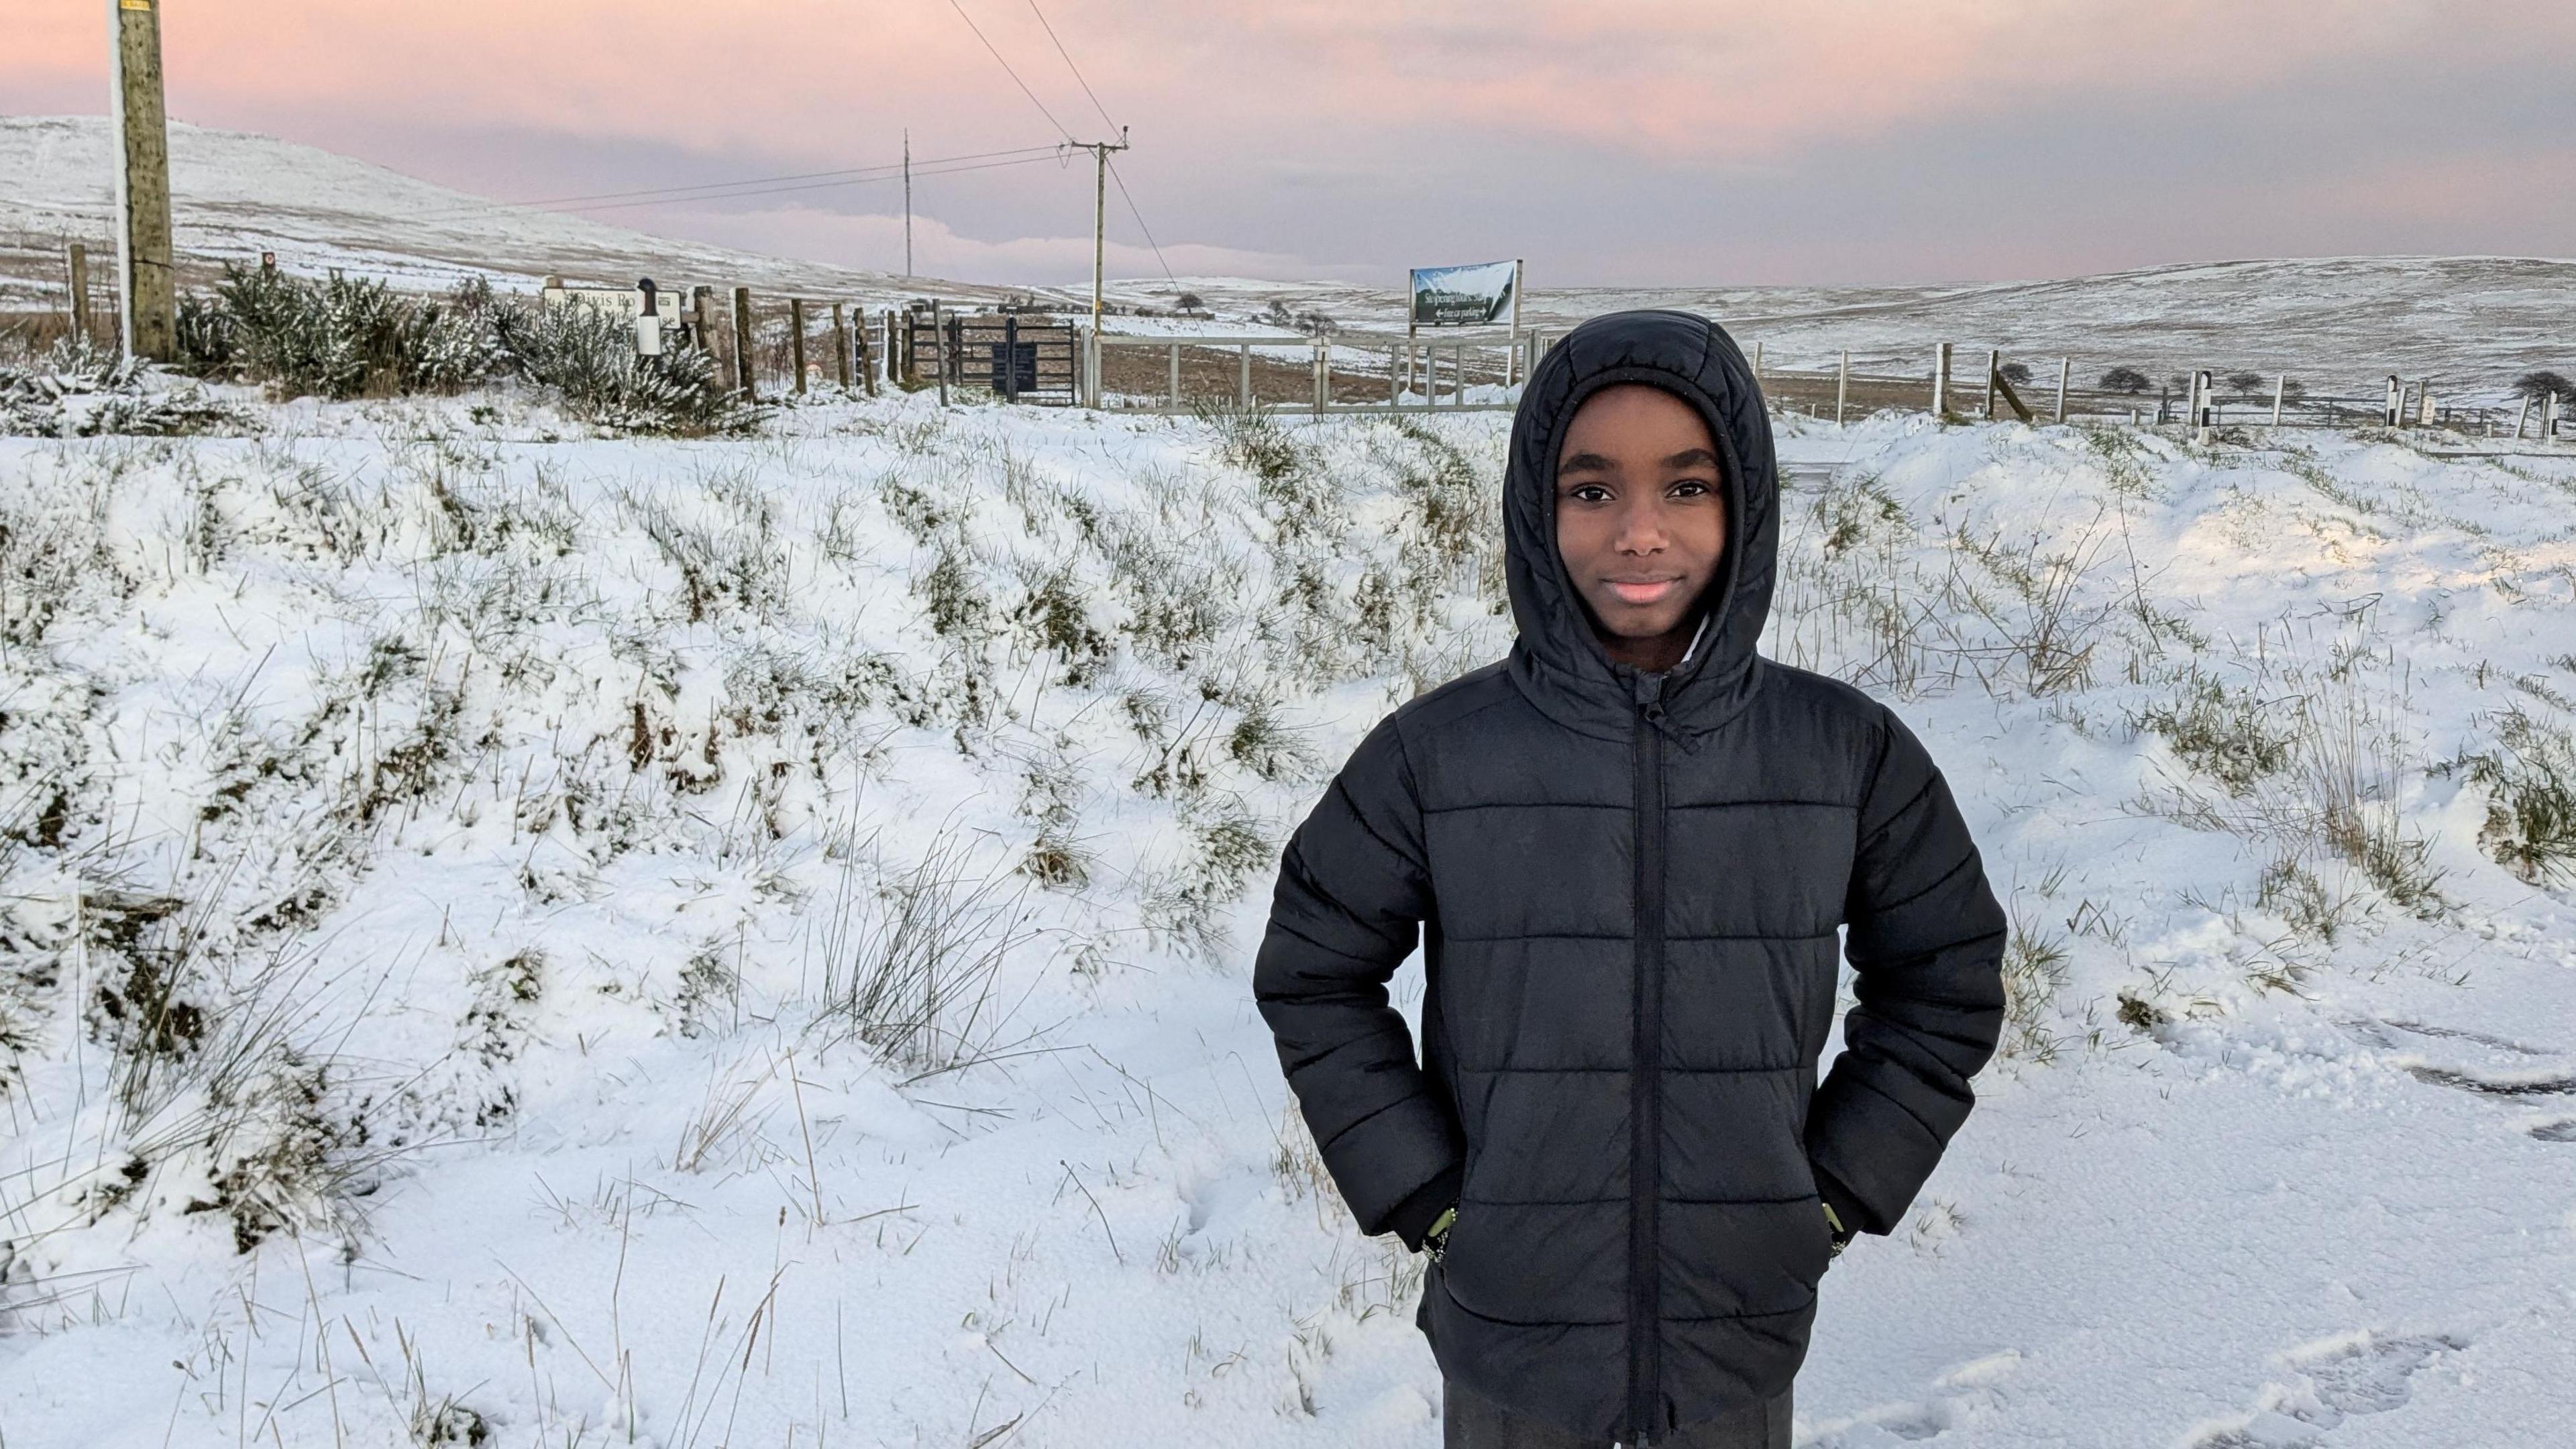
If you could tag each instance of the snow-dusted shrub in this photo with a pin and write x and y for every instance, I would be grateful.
(78, 388)
(2034, 970)
(588, 359)
(2529, 776)
(334, 338)
(2231, 735)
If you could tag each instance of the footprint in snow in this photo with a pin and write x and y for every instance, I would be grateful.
(2469, 1061)
(2331, 1380)
(1965, 1392)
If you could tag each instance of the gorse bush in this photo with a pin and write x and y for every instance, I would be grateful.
(334, 338)
(77, 388)
(339, 339)
(588, 359)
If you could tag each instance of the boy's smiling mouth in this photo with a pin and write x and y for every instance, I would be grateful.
(1643, 591)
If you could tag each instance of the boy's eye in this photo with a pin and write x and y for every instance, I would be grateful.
(1689, 488)
(1589, 492)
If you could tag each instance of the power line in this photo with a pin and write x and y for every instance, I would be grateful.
(713, 189)
(1141, 226)
(818, 185)
(1006, 69)
(1069, 65)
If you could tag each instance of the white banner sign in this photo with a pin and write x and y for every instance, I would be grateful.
(1469, 296)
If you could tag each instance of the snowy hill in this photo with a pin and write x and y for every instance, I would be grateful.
(236, 194)
(2470, 323)
(516, 941)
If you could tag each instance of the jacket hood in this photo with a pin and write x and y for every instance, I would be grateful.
(1557, 660)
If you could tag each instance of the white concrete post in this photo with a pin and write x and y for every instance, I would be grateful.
(2065, 371)
(2280, 395)
(1842, 387)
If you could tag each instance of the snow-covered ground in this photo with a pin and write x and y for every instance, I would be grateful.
(592, 942)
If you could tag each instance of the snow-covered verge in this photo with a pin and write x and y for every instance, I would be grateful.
(521, 941)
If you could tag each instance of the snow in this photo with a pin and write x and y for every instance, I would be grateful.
(542, 791)
(236, 194)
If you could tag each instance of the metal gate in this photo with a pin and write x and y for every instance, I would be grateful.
(1017, 359)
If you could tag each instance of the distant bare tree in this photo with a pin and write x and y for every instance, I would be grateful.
(2245, 381)
(1188, 302)
(2017, 373)
(2541, 386)
(2124, 379)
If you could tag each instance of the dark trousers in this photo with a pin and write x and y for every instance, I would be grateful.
(1469, 1420)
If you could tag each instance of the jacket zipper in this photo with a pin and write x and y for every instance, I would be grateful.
(1645, 1076)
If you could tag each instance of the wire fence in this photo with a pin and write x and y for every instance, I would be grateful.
(768, 345)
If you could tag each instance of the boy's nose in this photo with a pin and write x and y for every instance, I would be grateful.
(1641, 531)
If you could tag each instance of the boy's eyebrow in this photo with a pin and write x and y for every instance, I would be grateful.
(1595, 462)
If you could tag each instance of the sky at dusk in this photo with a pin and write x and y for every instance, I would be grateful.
(1655, 142)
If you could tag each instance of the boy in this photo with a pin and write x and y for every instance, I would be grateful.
(1632, 842)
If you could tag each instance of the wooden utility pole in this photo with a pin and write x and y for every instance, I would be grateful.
(146, 291)
(1100, 214)
(907, 203)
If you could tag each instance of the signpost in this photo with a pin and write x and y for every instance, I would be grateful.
(1475, 295)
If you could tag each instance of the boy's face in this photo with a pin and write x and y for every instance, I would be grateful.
(1640, 519)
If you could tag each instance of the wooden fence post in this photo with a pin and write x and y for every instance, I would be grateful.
(841, 345)
(1394, 378)
(2522, 420)
(1994, 364)
(939, 350)
(746, 363)
(1941, 381)
(796, 343)
(1243, 378)
(76, 264)
(1176, 377)
(1842, 387)
(2065, 371)
(1323, 375)
(2390, 409)
(702, 330)
(2280, 395)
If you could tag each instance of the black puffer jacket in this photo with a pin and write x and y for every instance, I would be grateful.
(1610, 868)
